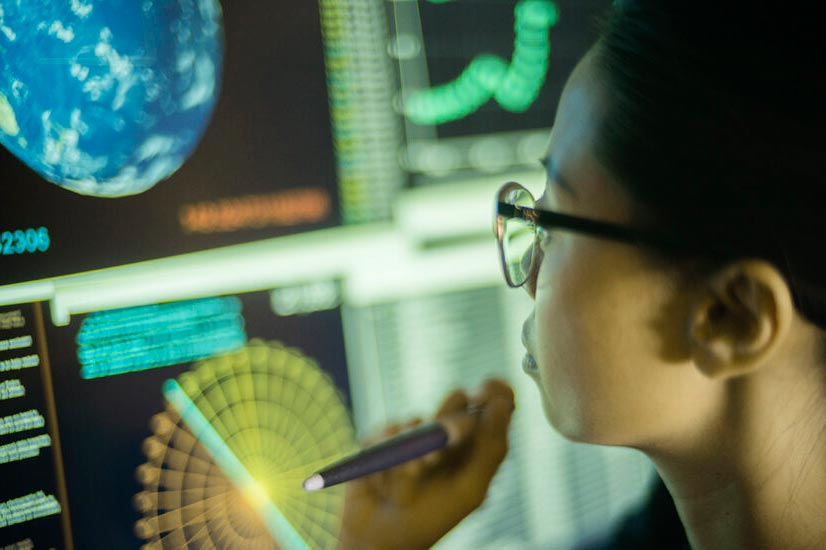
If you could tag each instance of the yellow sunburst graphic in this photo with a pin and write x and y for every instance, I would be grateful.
(227, 458)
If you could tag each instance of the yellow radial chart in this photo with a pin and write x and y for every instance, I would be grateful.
(266, 411)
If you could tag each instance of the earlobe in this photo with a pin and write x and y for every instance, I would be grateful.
(741, 316)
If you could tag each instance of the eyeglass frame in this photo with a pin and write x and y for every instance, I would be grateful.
(549, 219)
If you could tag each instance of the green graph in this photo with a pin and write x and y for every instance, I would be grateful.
(513, 86)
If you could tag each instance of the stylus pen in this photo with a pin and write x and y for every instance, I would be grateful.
(404, 447)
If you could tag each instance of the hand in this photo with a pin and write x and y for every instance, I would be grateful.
(413, 505)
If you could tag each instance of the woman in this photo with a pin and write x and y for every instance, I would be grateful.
(688, 321)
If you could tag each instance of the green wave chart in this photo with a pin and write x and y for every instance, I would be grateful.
(226, 460)
(513, 86)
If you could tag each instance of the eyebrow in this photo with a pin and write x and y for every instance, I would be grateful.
(552, 171)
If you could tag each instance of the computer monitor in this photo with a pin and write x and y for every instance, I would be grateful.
(479, 81)
(159, 351)
(264, 166)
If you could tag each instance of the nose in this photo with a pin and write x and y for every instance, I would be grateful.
(530, 265)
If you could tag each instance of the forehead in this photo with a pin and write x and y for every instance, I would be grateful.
(571, 147)
(577, 115)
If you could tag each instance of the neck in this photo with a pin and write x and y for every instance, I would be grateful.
(760, 482)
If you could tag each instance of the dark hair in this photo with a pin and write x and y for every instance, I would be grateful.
(714, 122)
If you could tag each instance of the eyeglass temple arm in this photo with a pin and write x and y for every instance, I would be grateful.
(551, 220)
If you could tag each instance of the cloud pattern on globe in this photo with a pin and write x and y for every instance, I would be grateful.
(107, 97)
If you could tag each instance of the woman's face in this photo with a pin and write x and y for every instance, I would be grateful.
(607, 331)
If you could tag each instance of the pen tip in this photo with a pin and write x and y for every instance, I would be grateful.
(314, 483)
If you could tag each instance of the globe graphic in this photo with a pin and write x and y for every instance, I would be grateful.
(107, 97)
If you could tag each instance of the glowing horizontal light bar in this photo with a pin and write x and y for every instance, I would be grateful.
(367, 258)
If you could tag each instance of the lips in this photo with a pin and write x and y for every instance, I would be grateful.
(529, 364)
(528, 361)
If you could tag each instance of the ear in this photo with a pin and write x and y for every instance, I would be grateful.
(742, 315)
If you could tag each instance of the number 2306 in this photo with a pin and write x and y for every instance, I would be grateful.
(21, 241)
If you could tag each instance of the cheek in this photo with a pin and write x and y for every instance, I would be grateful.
(587, 349)
(568, 304)
(563, 349)
(565, 326)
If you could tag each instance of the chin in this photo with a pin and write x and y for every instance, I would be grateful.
(573, 422)
(576, 426)
(565, 425)
(571, 431)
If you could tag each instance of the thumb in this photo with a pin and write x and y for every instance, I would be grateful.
(491, 437)
(497, 400)
(488, 444)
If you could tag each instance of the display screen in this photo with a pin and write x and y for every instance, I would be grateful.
(479, 81)
(211, 277)
(456, 34)
(264, 166)
(96, 450)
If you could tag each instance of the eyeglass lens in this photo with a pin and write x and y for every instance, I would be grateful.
(519, 238)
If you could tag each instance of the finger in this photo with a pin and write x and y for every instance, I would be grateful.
(381, 483)
(432, 459)
(456, 401)
(409, 425)
(462, 427)
(497, 399)
(391, 430)
(404, 479)
(396, 428)
(491, 435)
(398, 483)
(371, 485)
(492, 388)
(359, 488)
(386, 432)
(376, 484)
(488, 449)
(412, 423)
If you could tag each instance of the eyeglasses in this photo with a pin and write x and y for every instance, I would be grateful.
(519, 224)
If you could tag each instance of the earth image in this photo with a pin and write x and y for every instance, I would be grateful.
(107, 97)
